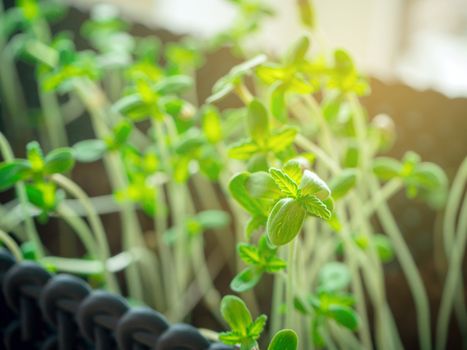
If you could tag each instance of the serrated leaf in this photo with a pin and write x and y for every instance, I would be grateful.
(284, 182)
(315, 207)
(230, 338)
(236, 314)
(285, 221)
(275, 265)
(248, 253)
(285, 339)
(293, 168)
(257, 327)
(245, 280)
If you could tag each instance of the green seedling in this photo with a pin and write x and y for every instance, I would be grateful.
(422, 179)
(260, 259)
(243, 330)
(262, 143)
(302, 146)
(329, 302)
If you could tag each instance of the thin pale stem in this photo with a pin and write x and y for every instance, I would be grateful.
(11, 245)
(409, 268)
(453, 279)
(94, 220)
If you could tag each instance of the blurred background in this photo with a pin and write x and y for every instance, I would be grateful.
(422, 43)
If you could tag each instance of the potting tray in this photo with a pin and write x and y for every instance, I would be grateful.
(39, 310)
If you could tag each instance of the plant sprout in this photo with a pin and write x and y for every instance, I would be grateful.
(292, 176)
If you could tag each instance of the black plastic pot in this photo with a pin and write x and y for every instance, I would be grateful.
(42, 311)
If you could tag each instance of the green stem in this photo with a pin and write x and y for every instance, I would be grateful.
(55, 126)
(307, 145)
(290, 289)
(160, 227)
(325, 131)
(357, 288)
(243, 93)
(31, 231)
(94, 220)
(97, 105)
(452, 206)
(454, 276)
(81, 229)
(11, 245)
(409, 268)
(172, 190)
(12, 93)
(277, 297)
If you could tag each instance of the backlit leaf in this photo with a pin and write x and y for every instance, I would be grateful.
(285, 339)
(236, 314)
(285, 221)
(284, 182)
(245, 280)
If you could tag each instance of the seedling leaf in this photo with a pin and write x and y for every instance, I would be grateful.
(60, 160)
(243, 150)
(285, 221)
(236, 314)
(312, 184)
(257, 327)
(89, 150)
(12, 172)
(343, 183)
(282, 139)
(344, 315)
(284, 182)
(315, 207)
(285, 339)
(246, 280)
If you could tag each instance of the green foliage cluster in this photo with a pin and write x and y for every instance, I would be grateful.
(292, 176)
